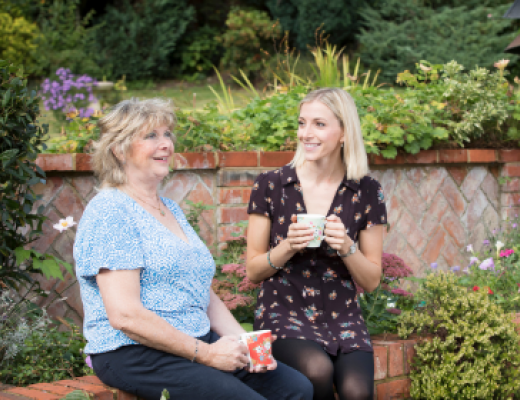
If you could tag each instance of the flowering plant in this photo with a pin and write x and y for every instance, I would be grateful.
(382, 307)
(66, 92)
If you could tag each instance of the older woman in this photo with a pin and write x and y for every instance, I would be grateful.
(151, 319)
(308, 294)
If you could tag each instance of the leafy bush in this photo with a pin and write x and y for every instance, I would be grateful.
(66, 41)
(139, 40)
(399, 33)
(248, 33)
(382, 307)
(473, 348)
(303, 18)
(17, 39)
(199, 52)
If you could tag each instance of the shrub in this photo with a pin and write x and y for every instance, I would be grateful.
(17, 39)
(473, 348)
(400, 33)
(139, 40)
(247, 34)
(66, 41)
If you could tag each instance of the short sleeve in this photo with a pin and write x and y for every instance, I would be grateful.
(259, 203)
(107, 238)
(375, 207)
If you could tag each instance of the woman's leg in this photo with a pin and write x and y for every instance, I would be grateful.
(354, 375)
(311, 360)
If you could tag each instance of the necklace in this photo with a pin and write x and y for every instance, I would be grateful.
(151, 205)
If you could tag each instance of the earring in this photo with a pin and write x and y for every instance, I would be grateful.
(342, 144)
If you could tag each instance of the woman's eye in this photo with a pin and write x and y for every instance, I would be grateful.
(151, 135)
(320, 124)
(301, 123)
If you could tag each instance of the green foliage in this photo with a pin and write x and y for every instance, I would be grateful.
(399, 33)
(140, 39)
(303, 18)
(65, 40)
(47, 356)
(21, 139)
(195, 213)
(248, 34)
(17, 39)
(77, 395)
(472, 352)
(199, 52)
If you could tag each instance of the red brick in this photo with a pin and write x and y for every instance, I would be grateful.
(122, 395)
(451, 254)
(423, 157)
(49, 233)
(225, 233)
(433, 248)
(510, 199)
(47, 190)
(411, 199)
(490, 188)
(482, 156)
(495, 170)
(399, 389)
(84, 185)
(63, 246)
(55, 162)
(200, 194)
(458, 174)
(474, 210)
(50, 388)
(453, 226)
(83, 162)
(429, 186)
(511, 170)
(204, 160)
(454, 196)
(453, 156)
(34, 394)
(389, 180)
(416, 175)
(68, 203)
(242, 178)
(10, 396)
(409, 228)
(473, 180)
(100, 392)
(395, 360)
(409, 353)
(410, 258)
(234, 196)
(509, 155)
(238, 159)
(511, 185)
(380, 362)
(93, 379)
(231, 215)
(380, 160)
(510, 212)
(431, 219)
(276, 158)
(179, 186)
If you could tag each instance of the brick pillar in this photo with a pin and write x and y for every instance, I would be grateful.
(510, 183)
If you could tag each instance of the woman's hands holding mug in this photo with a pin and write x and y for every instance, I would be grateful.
(336, 235)
(299, 234)
(227, 354)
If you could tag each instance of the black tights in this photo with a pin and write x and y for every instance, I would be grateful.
(351, 373)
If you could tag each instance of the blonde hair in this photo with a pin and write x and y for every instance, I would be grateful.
(124, 122)
(342, 105)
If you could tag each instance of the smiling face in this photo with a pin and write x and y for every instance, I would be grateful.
(150, 153)
(319, 132)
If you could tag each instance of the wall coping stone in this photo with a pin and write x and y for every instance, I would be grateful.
(270, 159)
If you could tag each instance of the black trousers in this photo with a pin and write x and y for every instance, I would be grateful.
(145, 372)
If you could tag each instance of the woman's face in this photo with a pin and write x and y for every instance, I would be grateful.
(319, 131)
(150, 154)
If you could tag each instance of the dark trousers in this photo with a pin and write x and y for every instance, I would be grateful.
(145, 372)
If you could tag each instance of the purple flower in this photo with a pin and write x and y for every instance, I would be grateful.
(88, 361)
(472, 261)
(486, 242)
(487, 264)
(515, 225)
(455, 268)
(433, 265)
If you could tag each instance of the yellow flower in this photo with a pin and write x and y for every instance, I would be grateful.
(97, 114)
(425, 68)
(72, 114)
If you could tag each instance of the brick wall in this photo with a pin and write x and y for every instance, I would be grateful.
(438, 201)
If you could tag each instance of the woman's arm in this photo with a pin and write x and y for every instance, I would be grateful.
(258, 232)
(121, 292)
(222, 321)
(365, 264)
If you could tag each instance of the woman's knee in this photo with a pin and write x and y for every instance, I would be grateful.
(354, 389)
(319, 371)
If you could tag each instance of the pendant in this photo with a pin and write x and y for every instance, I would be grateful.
(162, 213)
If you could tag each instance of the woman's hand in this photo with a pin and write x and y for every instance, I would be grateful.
(299, 234)
(227, 354)
(336, 235)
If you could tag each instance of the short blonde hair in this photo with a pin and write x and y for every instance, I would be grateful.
(123, 123)
(342, 105)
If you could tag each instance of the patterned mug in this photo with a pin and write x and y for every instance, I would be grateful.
(317, 223)
(259, 346)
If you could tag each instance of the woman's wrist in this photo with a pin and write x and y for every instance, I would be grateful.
(203, 353)
(287, 248)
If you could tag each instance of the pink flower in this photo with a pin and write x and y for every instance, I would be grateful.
(487, 264)
(402, 292)
(506, 253)
(395, 311)
(476, 288)
(88, 361)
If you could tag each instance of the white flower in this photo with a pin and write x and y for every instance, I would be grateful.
(499, 245)
(64, 224)
(469, 248)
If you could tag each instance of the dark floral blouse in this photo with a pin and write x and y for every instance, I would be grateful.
(314, 297)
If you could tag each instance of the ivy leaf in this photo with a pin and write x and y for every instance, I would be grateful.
(390, 152)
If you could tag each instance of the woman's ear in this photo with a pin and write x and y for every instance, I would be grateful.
(117, 154)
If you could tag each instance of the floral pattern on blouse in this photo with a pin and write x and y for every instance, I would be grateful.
(313, 296)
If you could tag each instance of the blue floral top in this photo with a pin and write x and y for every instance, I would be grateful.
(116, 233)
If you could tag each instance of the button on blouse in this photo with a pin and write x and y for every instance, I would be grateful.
(314, 297)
